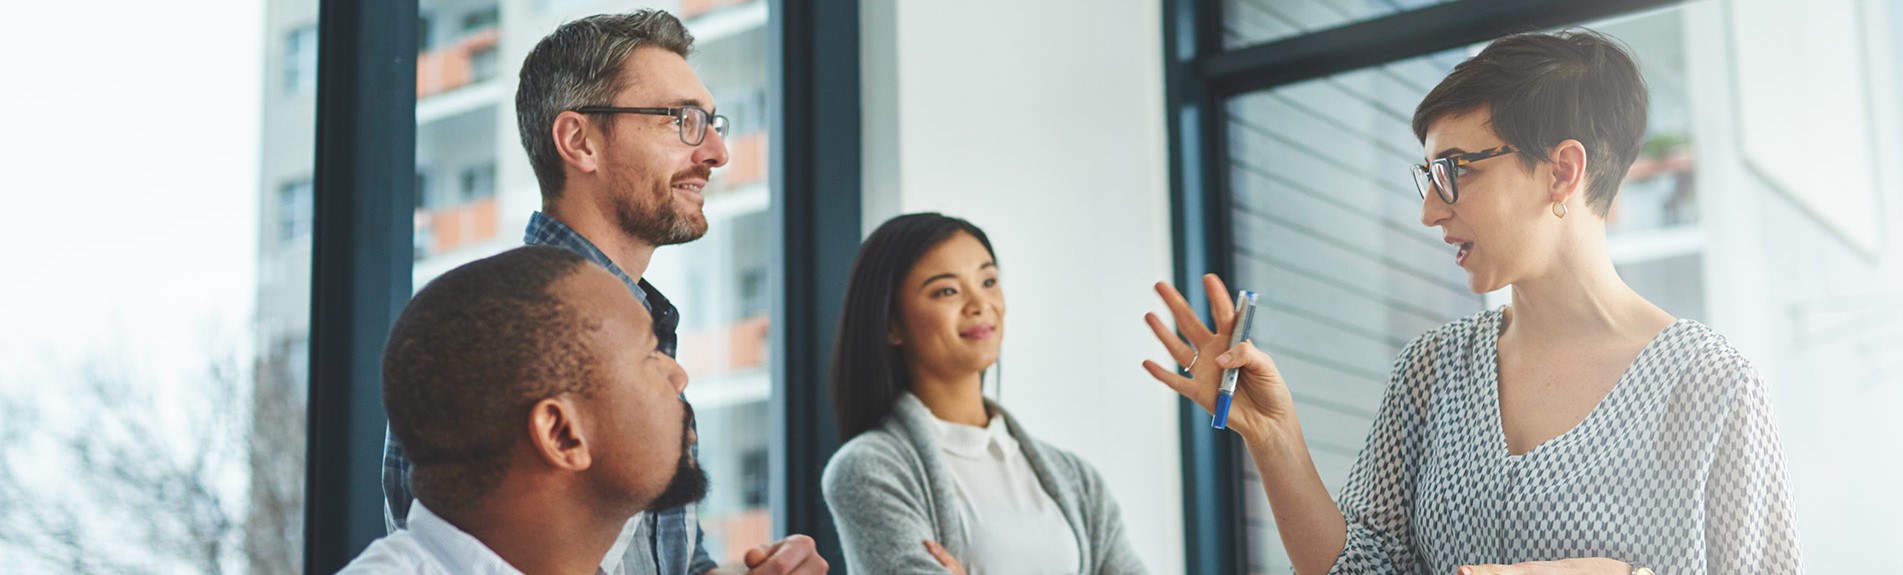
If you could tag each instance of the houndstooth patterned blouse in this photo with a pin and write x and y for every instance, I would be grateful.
(1679, 468)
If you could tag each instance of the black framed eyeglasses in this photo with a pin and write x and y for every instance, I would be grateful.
(1443, 174)
(693, 120)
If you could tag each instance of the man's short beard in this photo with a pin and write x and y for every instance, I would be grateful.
(689, 484)
(660, 223)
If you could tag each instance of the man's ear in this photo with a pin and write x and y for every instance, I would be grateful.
(556, 434)
(577, 142)
(1568, 161)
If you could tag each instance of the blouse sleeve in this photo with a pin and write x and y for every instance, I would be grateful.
(1376, 501)
(1750, 521)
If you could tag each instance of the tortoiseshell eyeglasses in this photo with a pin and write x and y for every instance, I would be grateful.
(1443, 174)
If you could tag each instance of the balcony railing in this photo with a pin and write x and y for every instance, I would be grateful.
(443, 229)
(454, 65)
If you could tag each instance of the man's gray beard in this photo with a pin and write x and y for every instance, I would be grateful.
(661, 225)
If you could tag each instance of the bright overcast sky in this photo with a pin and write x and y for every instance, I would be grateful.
(128, 180)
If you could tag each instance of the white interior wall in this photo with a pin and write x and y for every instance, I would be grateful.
(1812, 310)
(1043, 124)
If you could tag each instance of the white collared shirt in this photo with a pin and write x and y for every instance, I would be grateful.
(429, 546)
(1012, 523)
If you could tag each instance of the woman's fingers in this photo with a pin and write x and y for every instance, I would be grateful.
(944, 557)
(939, 553)
(1187, 321)
(1246, 357)
(1221, 306)
(1179, 350)
(1203, 395)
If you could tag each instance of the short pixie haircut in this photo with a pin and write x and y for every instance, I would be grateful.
(1543, 89)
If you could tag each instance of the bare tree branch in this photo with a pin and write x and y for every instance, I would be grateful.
(170, 482)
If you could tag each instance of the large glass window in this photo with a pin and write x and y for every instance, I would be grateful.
(280, 401)
(152, 359)
(1247, 22)
(299, 66)
(294, 212)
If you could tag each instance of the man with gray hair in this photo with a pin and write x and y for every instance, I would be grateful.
(622, 137)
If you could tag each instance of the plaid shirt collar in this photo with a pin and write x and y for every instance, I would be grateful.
(545, 230)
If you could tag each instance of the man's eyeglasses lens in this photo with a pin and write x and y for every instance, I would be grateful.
(694, 123)
(692, 120)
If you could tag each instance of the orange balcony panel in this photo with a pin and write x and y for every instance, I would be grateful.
(748, 341)
(462, 225)
(741, 531)
(438, 69)
(746, 160)
(733, 347)
(692, 8)
(449, 67)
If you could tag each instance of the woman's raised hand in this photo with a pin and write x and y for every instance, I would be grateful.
(1262, 410)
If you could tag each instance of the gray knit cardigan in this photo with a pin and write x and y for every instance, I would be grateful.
(889, 491)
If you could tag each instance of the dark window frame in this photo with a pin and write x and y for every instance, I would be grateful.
(365, 177)
(814, 150)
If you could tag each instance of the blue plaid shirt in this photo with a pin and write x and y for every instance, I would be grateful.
(661, 542)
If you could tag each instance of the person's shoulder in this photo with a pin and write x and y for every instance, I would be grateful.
(1691, 339)
(1705, 358)
(876, 452)
(877, 442)
(1465, 331)
(397, 552)
(1453, 338)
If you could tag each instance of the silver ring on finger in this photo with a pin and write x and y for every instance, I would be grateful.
(1192, 362)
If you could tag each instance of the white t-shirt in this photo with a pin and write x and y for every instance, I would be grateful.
(1013, 525)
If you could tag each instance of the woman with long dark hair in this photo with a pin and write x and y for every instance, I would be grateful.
(934, 476)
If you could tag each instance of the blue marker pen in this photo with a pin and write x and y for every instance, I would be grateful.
(1245, 319)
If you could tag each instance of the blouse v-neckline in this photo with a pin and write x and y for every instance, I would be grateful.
(1613, 400)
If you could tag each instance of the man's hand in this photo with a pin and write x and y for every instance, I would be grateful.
(793, 555)
(1591, 566)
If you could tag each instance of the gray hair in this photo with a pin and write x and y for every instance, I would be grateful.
(579, 64)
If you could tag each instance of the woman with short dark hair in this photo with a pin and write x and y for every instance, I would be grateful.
(933, 476)
(1580, 429)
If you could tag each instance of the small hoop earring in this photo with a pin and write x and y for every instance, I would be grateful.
(1560, 210)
